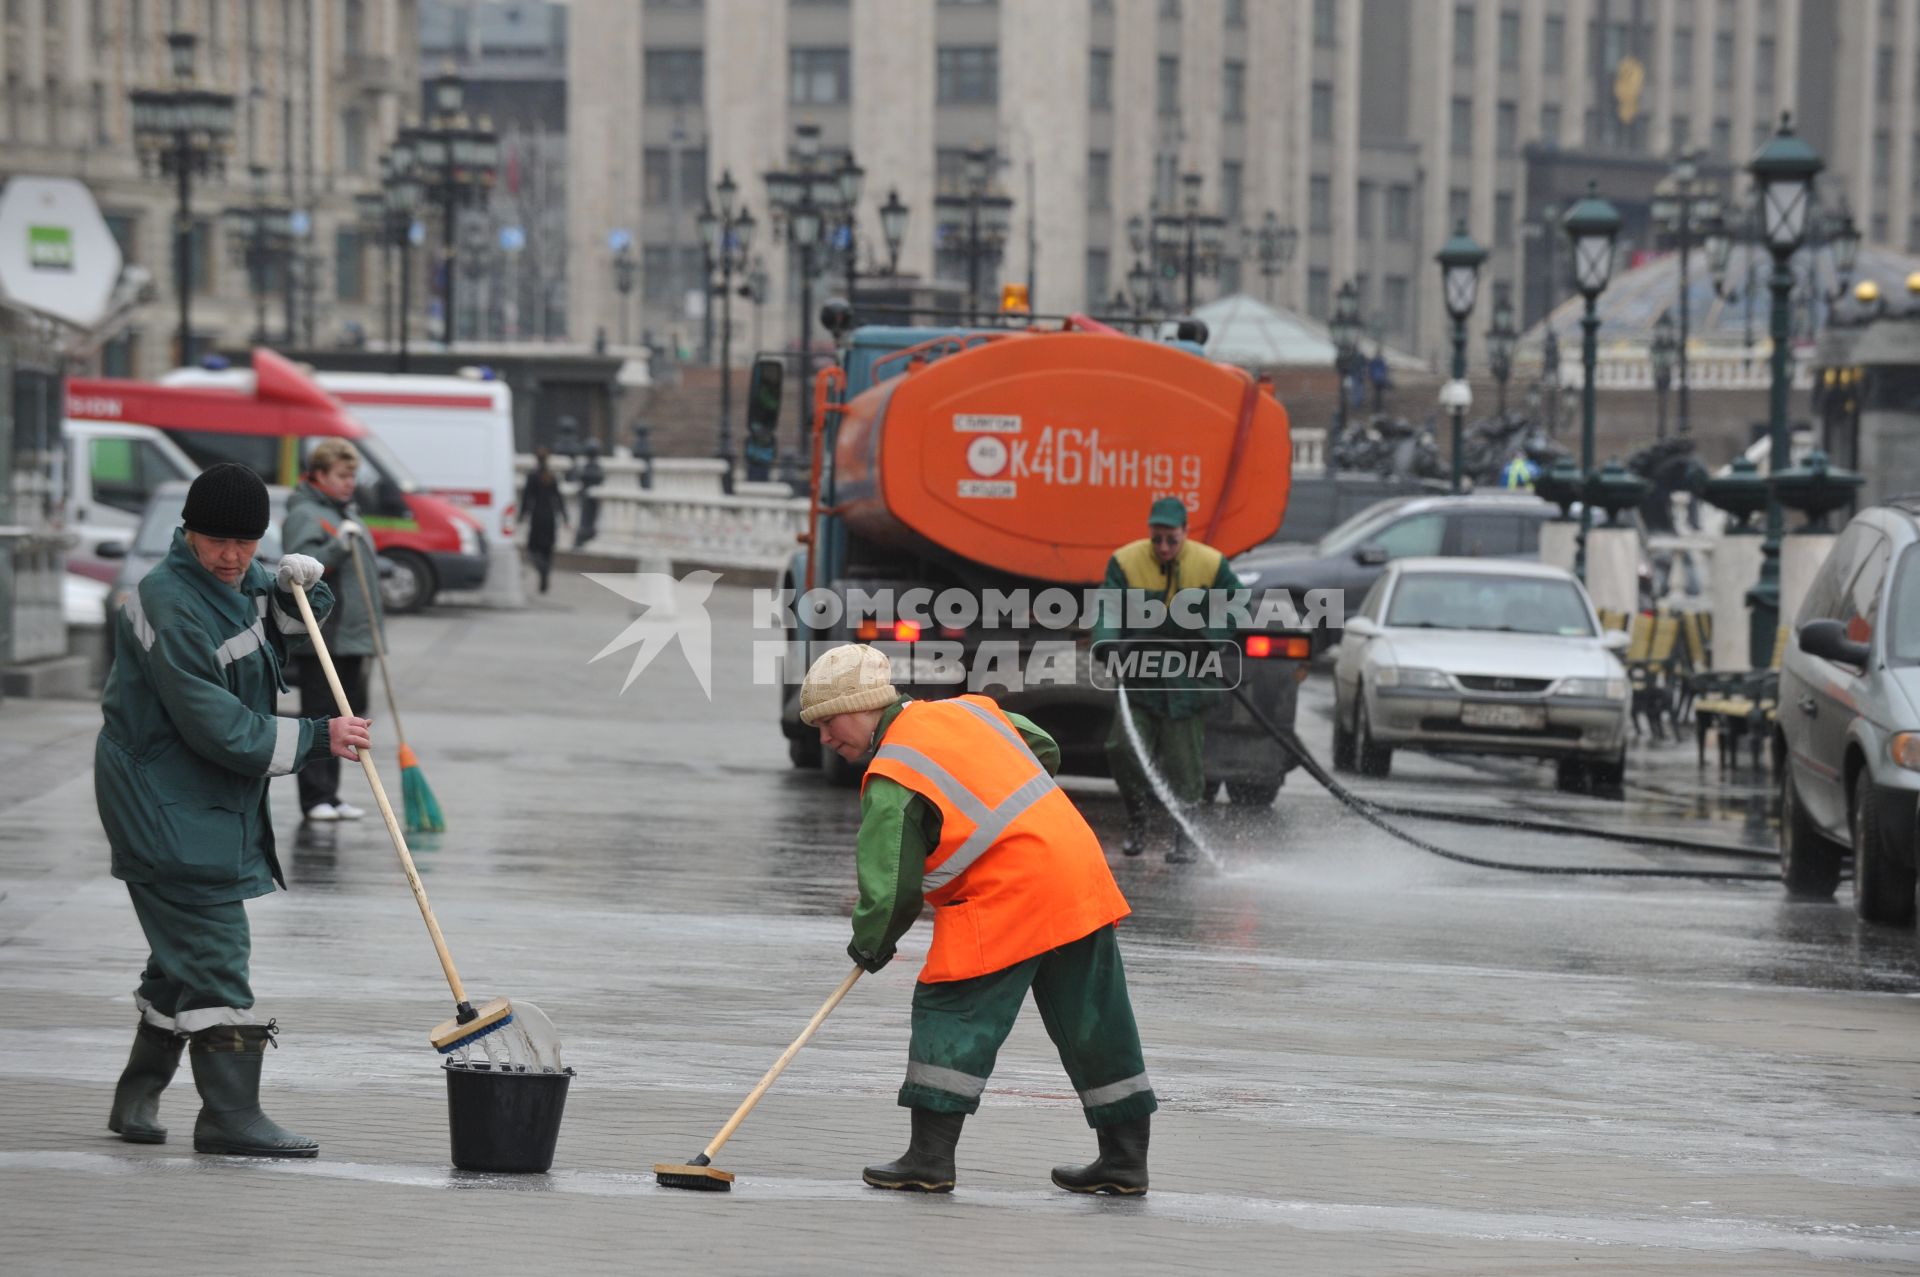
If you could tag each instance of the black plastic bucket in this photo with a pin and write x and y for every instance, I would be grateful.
(504, 1120)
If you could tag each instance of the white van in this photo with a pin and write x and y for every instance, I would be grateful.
(113, 468)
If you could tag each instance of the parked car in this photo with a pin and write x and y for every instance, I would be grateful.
(1847, 719)
(1481, 658)
(1352, 556)
(112, 470)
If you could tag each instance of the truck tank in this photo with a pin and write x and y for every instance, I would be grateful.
(1037, 454)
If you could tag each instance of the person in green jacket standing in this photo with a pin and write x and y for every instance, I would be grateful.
(188, 743)
(323, 522)
(1169, 718)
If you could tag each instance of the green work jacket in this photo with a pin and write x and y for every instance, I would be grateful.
(1133, 570)
(898, 831)
(190, 738)
(312, 520)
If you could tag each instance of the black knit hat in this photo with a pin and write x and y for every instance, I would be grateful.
(228, 500)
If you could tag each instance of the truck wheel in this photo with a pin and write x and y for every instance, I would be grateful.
(411, 585)
(1882, 885)
(840, 773)
(1373, 759)
(804, 751)
(1343, 749)
(1809, 864)
(1253, 793)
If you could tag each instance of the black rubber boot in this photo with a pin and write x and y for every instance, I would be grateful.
(1181, 853)
(1121, 1168)
(226, 1068)
(927, 1165)
(1136, 839)
(136, 1101)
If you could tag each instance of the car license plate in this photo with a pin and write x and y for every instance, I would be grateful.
(1525, 718)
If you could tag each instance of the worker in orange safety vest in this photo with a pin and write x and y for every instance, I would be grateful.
(959, 809)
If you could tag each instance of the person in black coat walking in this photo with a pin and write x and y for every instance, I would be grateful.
(542, 506)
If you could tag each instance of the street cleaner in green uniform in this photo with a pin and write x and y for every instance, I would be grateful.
(1169, 717)
(959, 810)
(189, 742)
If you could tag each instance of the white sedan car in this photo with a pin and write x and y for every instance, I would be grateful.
(1481, 656)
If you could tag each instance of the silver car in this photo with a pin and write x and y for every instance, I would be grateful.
(1481, 656)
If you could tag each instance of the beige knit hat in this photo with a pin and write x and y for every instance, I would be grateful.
(846, 680)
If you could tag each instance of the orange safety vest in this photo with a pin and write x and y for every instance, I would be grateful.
(1017, 872)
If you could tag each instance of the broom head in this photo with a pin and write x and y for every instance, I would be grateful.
(453, 1035)
(422, 808)
(697, 1175)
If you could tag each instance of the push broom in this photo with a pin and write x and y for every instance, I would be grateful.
(701, 1173)
(468, 1025)
(416, 796)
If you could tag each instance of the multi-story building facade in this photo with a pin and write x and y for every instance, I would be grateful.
(1371, 126)
(317, 83)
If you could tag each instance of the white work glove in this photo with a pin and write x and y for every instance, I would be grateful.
(298, 569)
(349, 530)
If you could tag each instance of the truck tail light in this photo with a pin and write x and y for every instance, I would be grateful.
(906, 632)
(1292, 647)
(867, 632)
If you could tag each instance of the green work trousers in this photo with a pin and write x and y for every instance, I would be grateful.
(1081, 990)
(1173, 745)
(196, 974)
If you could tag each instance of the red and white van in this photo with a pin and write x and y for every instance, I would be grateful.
(269, 419)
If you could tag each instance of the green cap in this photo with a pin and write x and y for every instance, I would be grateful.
(1168, 512)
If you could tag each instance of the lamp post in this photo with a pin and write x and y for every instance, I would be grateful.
(728, 233)
(182, 132)
(1843, 237)
(799, 199)
(455, 159)
(403, 194)
(1550, 375)
(625, 269)
(1188, 243)
(1502, 336)
(1592, 225)
(1272, 245)
(975, 224)
(261, 234)
(1344, 328)
(1783, 172)
(1682, 203)
(1660, 355)
(893, 228)
(1460, 259)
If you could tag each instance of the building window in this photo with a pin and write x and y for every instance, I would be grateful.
(1681, 131)
(1326, 20)
(101, 135)
(1460, 126)
(1723, 139)
(1506, 128)
(1360, 283)
(656, 169)
(1320, 204)
(1099, 181)
(1459, 207)
(968, 74)
(1233, 90)
(1322, 112)
(1878, 235)
(353, 140)
(1503, 220)
(1167, 87)
(1763, 60)
(1509, 40)
(1882, 157)
(136, 25)
(1553, 44)
(125, 229)
(1550, 123)
(56, 99)
(1232, 189)
(819, 77)
(1723, 60)
(200, 255)
(1318, 294)
(1236, 13)
(1393, 300)
(1883, 74)
(673, 76)
(1170, 10)
(1682, 57)
(1100, 79)
(354, 27)
(349, 267)
(1913, 235)
(1363, 210)
(1463, 35)
(1098, 270)
(216, 25)
(1399, 211)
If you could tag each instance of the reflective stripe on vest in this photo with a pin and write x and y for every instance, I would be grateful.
(988, 822)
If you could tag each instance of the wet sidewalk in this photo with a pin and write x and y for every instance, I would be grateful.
(1369, 1060)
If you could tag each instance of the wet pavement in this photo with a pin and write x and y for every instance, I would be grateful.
(1369, 1059)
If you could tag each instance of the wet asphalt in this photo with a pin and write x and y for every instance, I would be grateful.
(1369, 1059)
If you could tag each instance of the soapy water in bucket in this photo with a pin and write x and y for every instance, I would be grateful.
(527, 1044)
(1161, 790)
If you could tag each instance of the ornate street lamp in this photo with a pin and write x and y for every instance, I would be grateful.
(1344, 329)
(1660, 355)
(1502, 337)
(975, 224)
(626, 268)
(1843, 237)
(1783, 172)
(1189, 243)
(182, 132)
(1460, 258)
(728, 242)
(893, 226)
(455, 159)
(404, 194)
(1272, 245)
(1593, 224)
(261, 234)
(1684, 203)
(800, 199)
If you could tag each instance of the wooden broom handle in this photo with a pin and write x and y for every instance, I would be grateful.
(379, 647)
(380, 796)
(779, 1065)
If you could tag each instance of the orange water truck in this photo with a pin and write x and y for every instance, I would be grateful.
(989, 464)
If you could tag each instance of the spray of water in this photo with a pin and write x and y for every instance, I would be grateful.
(1161, 789)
